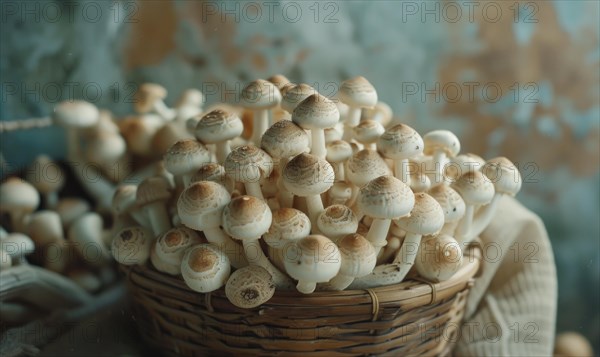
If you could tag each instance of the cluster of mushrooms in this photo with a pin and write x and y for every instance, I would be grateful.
(287, 190)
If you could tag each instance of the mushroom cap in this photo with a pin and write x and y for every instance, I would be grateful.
(419, 182)
(438, 258)
(131, 246)
(342, 190)
(249, 287)
(307, 175)
(386, 197)
(105, 148)
(71, 208)
(186, 156)
(504, 175)
(337, 221)
(358, 92)
(201, 204)
(146, 95)
(368, 131)
(205, 268)
(139, 132)
(279, 80)
(218, 125)
(152, 189)
(190, 97)
(462, 164)
(124, 199)
(161, 265)
(18, 195)
(260, 94)
(314, 258)
(441, 140)
(17, 245)
(45, 175)
(474, 188)
(338, 151)
(45, 227)
(171, 245)
(358, 255)
(400, 142)
(381, 110)
(213, 172)
(364, 166)
(332, 134)
(572, 344)
(248, 163)
(247, 218)
(316, 112)
(284, 139)
(451, 202)
(76, 114)
(287, 225)
(426, 217)
(294, 95)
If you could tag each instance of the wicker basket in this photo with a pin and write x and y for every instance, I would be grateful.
(411, 318)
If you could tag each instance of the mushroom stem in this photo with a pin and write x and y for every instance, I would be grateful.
(286, 198)
(484, 217)
(340, 174)
(407, 254)
(158, 217)
(402, 171)
(223, 149)
(352, 120)
(161, 108)
(216, 236)
(318, 143)
(440, 160)
(306, 287)
(261, 122)
(94, 183)
(390, 250)
(338, 283)
(140, 218)
(253, 189)
(180, 182)
(315, 207)
(256, 256)
(378, 232)
(464, 226)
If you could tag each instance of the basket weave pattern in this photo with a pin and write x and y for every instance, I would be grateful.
(411, 318)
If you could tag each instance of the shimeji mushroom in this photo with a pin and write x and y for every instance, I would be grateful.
(439, 257)
(309, 176)
(219, 127)
(48, 178)
(166, 136)
(441, 144)
(452, 204)
(18, 198)
(249, 287)
(184, 158)
(71, 208)
(419, 182)
(213, 172)
(247, 218)
(357, 93)
(287, 226)
(17, 245)
(73, 116)
(105, 150)
(313, 259)
(506, 180)
(200, 207)
(139, 132)
(279, 80)
(316, 113)
(205, 268)
(260, 96)
(284, 140)
(167, 253)
(293, 95)
(149, 97)
(461, 164)
(358, 259)
(362, 167)
(338, 152)
(337, 221)
(381, 113)
(384, 198)
(476, 190)
(189, 105)
(152, 196)
(248, 164)
(367, 132)
(400, 143)
(332, 134)
(124, 203)
(86, 236)
(426, 218)
(46, 230)
(131, 246)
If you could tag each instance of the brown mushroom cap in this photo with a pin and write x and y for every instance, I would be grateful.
(307, 175)
(337, 221)
(215, 173)
(364, 166)
(260, 94)
(132, 245)
(426, 217)
(247, 163)
(288, 224)
(76, 114)
(462, 164)
(205, 268)
(338, 151)
(200, 205)
(294, 95)
(438, 258)
(450, 201)
(386, 197)
(152, 189)
(316, 112)
(368, 131)
(250, 287)
(358, 92)
(218, 125)
(315, 258)
(474, 188)
(284, 139)
(504, 175)
(246, 217)
(147, 95)
(18, 194)
(442, 140)
(358, 255)
(279, 80)
(186, 156)
(400, 142)
(171, 245)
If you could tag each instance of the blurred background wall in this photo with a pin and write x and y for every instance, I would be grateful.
(512, 78)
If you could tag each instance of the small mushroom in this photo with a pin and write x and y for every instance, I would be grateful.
(381, 113)
(438, 258)
(74, 116)
(139, 133)
(168, 251)
(167, 136)
(17, 245)
(441, 144)
(461, 164)
(400, 143)
(358, 259)
(337, 221)
(287, 226)
(357, 93)
(219, 127)
(189, 105)
(362, 167)
(152, 195)
(213, 172)
(309, 176)
(248, 164)
(48, 178)
(419, 181)
(367, 132)
(293, 95)
(200, 207)
(260, 96)
(105, 150)
(280, 81)
(184, 158)
(476, 190)
(131, 246)
(247, 218)
(384, 198)
(18, 198)
(313, 259)
(86, 236)
(149, 97)
(316, 113)
(338, 152)
(452, 204)
(45, 227)
(205, 268)
(249, 287)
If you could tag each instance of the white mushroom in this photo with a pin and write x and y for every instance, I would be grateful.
(362, 167)
(17, 245)
(439, 257)
(167, 253)
(249, 287)
(294, 94)
(48, 178)
(441, 144)
(184, 158)
(205, 268)
(358, 259)
(124, 203)
(86, 236)
(337, 221)
(219, 127)
(189, 104)
(381, 113)
(260, 96)
(452, 204)
(338, 152)
(248, 164)
(213, 172)
(131, 246)
(400, 143)
(367, 132)
(476, 190)
(71, 208)
(18, 198)
(316, 113)
(287, 226)
(460, 165)
(149, 97)
(357, 93)
(73, 116)
(152, 196)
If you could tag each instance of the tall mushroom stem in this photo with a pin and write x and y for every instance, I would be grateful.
(484, 217)
(261, 123)
(407, 253)
(256, 256)
(315, 207)
(223, 149)
(318, 147)
(253, 189)
(216, 236)
(402, 171)
(378, 232)
(352, 121)
(440, 160)
(158, 217)
(464, 226)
